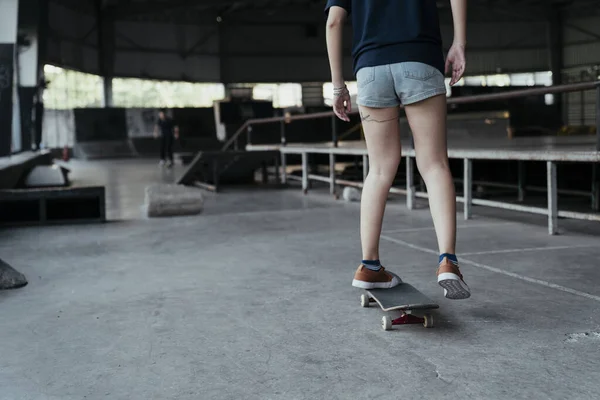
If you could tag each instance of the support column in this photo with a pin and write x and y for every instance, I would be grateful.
(305, 172)
(467, 188)
(596, 166)
(105, 20)
(223, 59)
(334, 135)
(28, 81)
(332, 173)
(43, 27)
(595, 187)
(522, 178)
(29, 71)
(9, 17)
(552, 198)
(284, 168)
(598, 118)
(555, 41)
(107, 84)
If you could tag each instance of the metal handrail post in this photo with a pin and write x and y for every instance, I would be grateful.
(596, 167)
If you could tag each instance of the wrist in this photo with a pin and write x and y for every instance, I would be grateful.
(338, 83)
(461, 43)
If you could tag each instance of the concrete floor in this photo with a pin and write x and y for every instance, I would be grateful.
(252, 300)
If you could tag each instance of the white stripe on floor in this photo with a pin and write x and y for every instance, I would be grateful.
(458, 227)
(528, 249)
(499, 271)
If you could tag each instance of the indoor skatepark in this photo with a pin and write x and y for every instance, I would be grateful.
(233, 280)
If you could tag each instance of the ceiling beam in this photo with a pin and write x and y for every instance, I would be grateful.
(135, 9)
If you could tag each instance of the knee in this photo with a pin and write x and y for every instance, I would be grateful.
(432, 167)
(384, 173)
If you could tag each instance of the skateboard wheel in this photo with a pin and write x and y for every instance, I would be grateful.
(428, 321)
(364, 300)
(386, 323)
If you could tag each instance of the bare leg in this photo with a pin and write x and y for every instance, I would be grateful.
(428, 123)
(382, 134)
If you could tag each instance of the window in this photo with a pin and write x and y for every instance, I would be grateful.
(68, 89)
(328, 92)
(525, 79)
(143, 93)
(282, 95)
(543, 78)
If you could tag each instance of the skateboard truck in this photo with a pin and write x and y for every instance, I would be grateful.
(407, 318)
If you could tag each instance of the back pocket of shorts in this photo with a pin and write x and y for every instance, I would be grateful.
(418, 71)
(364, 76)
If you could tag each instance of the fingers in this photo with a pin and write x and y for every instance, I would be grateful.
(347, 108)
(458, 69)
(455, 77)
(457, 73)
(340, 113)
(348, 105)
(342, 107)
(456, 59)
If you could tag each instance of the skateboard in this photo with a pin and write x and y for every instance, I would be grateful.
(404, 298)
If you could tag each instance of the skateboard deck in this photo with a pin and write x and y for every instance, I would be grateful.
(404, 298)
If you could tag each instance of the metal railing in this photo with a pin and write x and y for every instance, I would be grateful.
(557, 89)
(549, 157)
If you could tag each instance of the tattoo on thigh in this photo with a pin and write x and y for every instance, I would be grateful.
(368, 118)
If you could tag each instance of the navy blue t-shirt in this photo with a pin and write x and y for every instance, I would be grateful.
(393, 31)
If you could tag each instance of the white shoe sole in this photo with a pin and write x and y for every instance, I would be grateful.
(377, 285)
(454, 287)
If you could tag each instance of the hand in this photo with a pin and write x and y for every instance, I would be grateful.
(342, 105)
(456, 58)
(177, 136)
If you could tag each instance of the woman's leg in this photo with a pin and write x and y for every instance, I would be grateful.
(381, 129)
(427, 120)
(382, 135)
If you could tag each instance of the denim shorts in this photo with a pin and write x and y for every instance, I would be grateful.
(405, 83)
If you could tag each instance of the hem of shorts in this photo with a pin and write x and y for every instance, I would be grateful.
(424, 96)
(376, 104)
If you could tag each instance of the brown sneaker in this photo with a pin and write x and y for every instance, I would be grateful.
(365, 278)
(450, 278)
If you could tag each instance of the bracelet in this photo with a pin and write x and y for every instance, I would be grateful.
(337, 92)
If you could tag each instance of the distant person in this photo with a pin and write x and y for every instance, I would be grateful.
(399, 60)
(169, 132)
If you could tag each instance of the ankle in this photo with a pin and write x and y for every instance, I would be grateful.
(371, 257)
(450, 257)
(373, 265)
